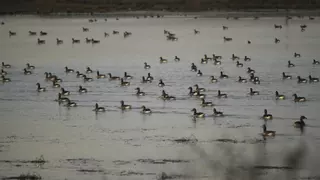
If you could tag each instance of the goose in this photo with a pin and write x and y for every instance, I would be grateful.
(75, 41)
(267, 116)
(113, 77)
(248, 42)
(234, 57)
(298, 98)
(250, 71)
(221, 95)
(82, 89)
(285, 76)
(315, 62)
(68, 70)
(194, 67)
(301, 123)
(87, 79)
(226, 39)
(50, 77)
(124, 83)
(85, 29)
(42, 33)
(276, 40)
(89, 70)
(79, 74)
(55, 84)
(301, 80)
(115, 32)
(277, 26)
(3, 73)
(266, 132)
(255, 80)
(32, 33)
(146, 110)
(106, 34)
(65, 92)
(217, 113)
(213, 79)
(146, 66)
(204, 61)
(223, 76)
(124, 106)
(139, 92)
(290, 64)
(311, 18)
(29, 66)
(216, 57)
(4, 79)
(59, 41)
(207, 58)
(197, 114)
(280, 96)
(11, 33)
(199, 73)
(93, 41)
(62, 99)
(100, 76)
(252, 92)
(225, 28)
(88, 40)
(161, 83)
(303, 26)
(39, 88)
(41, 41)
(167, 97)
(242, 80)
(216, 62)
(56, 79)
(176, 58)
(196, 31)
(99, 109)
(149, 77)
(239, 64)
(144, 80)
(246, 58)
(205, 103)
(127, 76)
(313, 79)
(199, 89)
(196, 93)
(71, 103)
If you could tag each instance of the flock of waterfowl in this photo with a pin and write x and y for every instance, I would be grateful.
(194, 91)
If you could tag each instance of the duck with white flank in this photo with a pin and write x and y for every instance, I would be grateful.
(285, 76)
(315, 62)
(197, 114)
(301, 80)
(139, 92)
(290, 64)
(149, 77)
(88, 70)
(301, 123)
(146, 110)
(199, 73)
(223, 76)
(82, 89)
(100, 76)
(205, 103)
(79, 74)
(62, 99)
(280, 96)
(239, 64)
(266, 132)
(39, 88)
(6, 65)
(242, 80)
(213, 79)
(194, 67)
(68, 70)
(217, 113)
(199, 89)
(99, 109)
(221, 95)
(65, 92)
(124, 106)
(313, 79)
(26, 72)
(127, 76)
(267, 116)
(163, 60)
(298, 98)
(87, 79)
(146, 66)
(161, 83)
(124, 83)
(30, 66)
(113, 77)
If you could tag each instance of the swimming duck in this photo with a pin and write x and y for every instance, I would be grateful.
(40, 89)
(234, 57)
(124, 106)
(113, 77)
(227, 38)
(161, 84)
(239, 64)
(197, 114)
(224, 27)
(277, 26)
(127, 76)
(207, 58)
(298, 99)
(216, 62)
(267, 133)
(255, 80)
(196, 93)
(296, 55)
(71, 103)
(75, 41)
(29, 66)
(4, 79)
(250, 71)
(89, 70)
(216, 56)
(3, 73)
(246, 58)
(49, 76)
(59, 41)
(65, 92)
(55, 84)
(196, 31)
(199, 89)
(276, 40)
(280, 96)
(6, 65)
(176, 58)
(32, 33)
(285, 76)
(124, 83)
(213, 79)
(252, 92)
(313, 79)
(267, 116)
(82, 89)
(42, 33)
(301, 80)
(99, 109)
(163, 60)
(100, 76)
(167, 97)
(199, 73)
(41, 41)
(290, 64)
(146, 66)
(88, 40)
(115, 32)
(217, 113)
(54, 78)
(79, 74)
(194, 67)
(315, 62)
(242, 80)
(85, 29)
(11, 33)
(249, 42)
(93, 41)
(146, 110)
(221, 95)
(301, 123)
(87, 79)
(139, 92)
(26, 72)
(144, 80)
(149, 77)
(106, 34)
(67, 70)
(62, 99)
(205, 103)
(223, 76)
(204, 61)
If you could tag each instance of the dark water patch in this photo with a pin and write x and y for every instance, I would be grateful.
(90, 170)
(120, 162)
(186, 140)
(28, 176)
(164, 176)
(273, 167)
(240, 126)
(39, 160)
(162, 161)
(131, 173)
(234, 141)
(310, 178)
(132, 130)
(83, 161)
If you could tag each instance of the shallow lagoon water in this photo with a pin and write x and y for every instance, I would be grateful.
(119, 144)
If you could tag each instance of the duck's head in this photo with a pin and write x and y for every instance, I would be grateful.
(277, 93)
(96, 105)
(310, 77)
(283, 73)
(212, 77)
(160, 81)
(62, 89)
(264, 128)
(192, 64)
(194, 110)
(66, 67)
(214, 110)
(122, 102)
(221, 72)
(196, 86)
(59, 94)
(28, 64)
(299, 77)
(137, 88)
(121, 79)
(145, 63)
(303, 117)
(80, 87)
(109, 74)
(149, 74)
(38, 84)
(265, 111)
(125, 73)
(295, 95)
(190, 88)
(289, 62)
(219, 91)
(143, 107)
(251, 89)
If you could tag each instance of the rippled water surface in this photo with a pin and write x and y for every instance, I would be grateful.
(80, 144)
